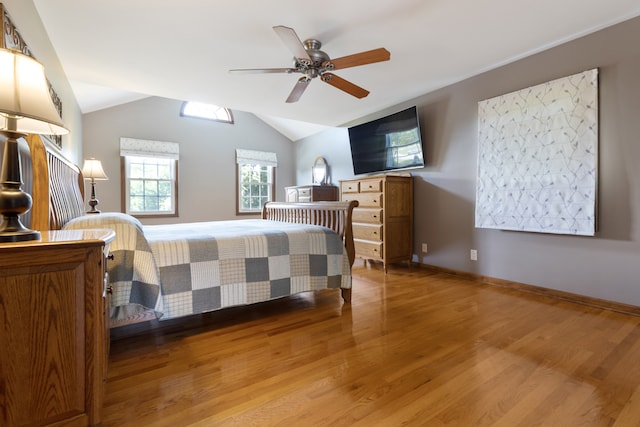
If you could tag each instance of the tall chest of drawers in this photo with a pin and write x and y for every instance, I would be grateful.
(383, 221)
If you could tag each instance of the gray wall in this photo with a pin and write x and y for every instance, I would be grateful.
(25, 17)
(605, 266)
(207, 154)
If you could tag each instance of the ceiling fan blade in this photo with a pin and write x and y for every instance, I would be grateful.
(298, 89)
(362, 58)
(292, 41)
(344, 85)
(261, 70)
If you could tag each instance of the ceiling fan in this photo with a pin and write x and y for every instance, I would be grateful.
(310, 61)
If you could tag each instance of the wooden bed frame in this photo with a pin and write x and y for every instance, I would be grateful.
(56, 186)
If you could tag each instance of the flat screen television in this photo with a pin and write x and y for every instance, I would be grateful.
(389, 143)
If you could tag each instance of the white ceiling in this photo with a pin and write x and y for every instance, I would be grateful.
(117, 51)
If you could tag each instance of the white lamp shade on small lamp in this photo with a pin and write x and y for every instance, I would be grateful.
(92, 169)
(25, 107)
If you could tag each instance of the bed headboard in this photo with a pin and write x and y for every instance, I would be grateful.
(55, 184)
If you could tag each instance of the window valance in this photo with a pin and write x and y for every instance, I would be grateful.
(262, 158)
(148, 148)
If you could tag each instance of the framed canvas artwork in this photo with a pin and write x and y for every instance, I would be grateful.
(537, 158)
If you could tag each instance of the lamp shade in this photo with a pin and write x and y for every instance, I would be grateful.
(92, 169)
(25, 101)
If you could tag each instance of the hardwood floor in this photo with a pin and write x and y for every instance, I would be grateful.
(415, 348)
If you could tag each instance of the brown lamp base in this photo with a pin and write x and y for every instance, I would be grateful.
(12, 230)
(19, 236)
(13, 201)
(93, 202)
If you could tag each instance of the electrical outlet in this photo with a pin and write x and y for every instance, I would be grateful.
(473, 254)
(424, 248)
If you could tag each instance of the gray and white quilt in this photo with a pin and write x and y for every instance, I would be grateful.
(182, 269)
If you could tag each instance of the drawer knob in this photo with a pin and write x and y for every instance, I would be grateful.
(111, 257)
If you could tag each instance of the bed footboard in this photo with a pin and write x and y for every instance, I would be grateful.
(333, 215)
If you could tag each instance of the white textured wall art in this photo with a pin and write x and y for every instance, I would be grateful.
(537, 158)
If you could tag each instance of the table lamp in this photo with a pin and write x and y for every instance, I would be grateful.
(26, 107)
(92, 169)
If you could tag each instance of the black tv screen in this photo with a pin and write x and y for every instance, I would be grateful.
(388, 143)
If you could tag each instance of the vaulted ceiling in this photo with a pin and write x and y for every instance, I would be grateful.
(119, 50)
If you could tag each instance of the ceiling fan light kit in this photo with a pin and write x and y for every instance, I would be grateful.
(312, 62)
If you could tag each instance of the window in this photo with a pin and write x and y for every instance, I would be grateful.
(255, 174)
(150, 177)
(201, 110)
(150, 186)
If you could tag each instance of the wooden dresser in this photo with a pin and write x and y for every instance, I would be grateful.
(383, 222)
(54, 333)
(312, 193)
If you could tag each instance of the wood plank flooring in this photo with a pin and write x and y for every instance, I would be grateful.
(414, 348)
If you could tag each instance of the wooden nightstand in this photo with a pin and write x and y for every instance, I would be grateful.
(54, 330)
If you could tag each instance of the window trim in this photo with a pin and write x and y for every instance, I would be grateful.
(123, 192)
(273, 189)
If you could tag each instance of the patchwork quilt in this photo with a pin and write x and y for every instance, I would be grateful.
(133, 273)
(182, 269)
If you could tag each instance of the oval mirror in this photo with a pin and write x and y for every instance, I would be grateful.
(319, 171)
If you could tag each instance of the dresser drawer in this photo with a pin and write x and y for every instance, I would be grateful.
(371, 185)
(350, 187)
(367, 232)
(370, 215)
(304, 192)
(368, 249)
(365, 200)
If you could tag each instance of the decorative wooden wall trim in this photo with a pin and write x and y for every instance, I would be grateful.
(538, 290)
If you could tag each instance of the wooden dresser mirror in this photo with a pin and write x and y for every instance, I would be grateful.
(319, 171)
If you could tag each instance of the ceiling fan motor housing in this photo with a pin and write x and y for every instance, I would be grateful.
(318, 57)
